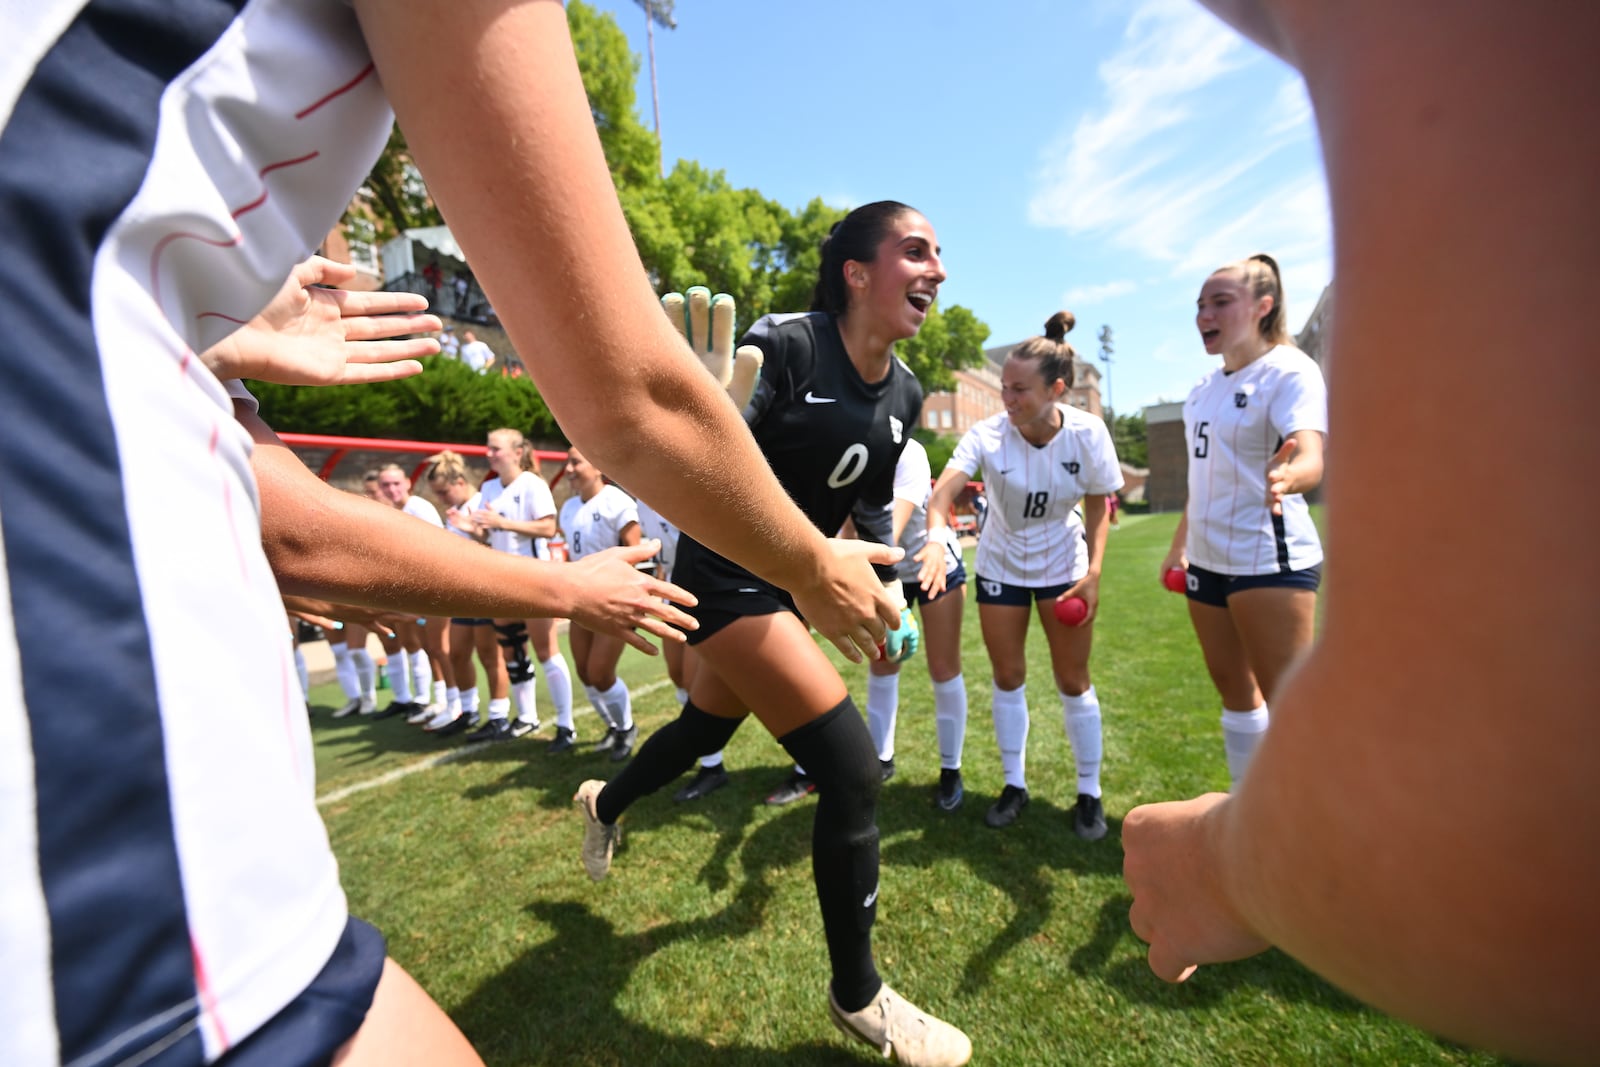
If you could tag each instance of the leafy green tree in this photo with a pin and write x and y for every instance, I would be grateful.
(950, 339)
(396, 198)
(447, 402)
(609, 70)
(939, 446)
(1128, 433)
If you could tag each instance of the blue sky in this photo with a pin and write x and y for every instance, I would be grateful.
(1097, 155)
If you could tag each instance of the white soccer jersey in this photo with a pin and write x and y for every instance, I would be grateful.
(167, 881)
(652, 524)
(526, 499)
(594, 525)
(913, 482)
(1032, 537)
(1234, 424)
(419, 508)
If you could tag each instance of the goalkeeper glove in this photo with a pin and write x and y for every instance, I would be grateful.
(706, 323)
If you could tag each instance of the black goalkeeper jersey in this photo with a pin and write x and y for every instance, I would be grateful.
(832, 438)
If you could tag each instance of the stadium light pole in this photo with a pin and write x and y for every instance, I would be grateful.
(1107, 350)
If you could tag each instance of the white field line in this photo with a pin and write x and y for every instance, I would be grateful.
(397, 773)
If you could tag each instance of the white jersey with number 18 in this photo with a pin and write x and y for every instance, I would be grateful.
(1032, 537)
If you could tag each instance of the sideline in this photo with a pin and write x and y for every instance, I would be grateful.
(451, 756)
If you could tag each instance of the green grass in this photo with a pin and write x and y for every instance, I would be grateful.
(704, 946)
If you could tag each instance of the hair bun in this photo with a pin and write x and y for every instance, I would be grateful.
(1060, 324)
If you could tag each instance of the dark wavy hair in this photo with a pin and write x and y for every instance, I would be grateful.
(856, 236)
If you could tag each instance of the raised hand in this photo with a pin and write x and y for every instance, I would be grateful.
(706, 323)
(1280, 477)
(309, 335)
(610, 595)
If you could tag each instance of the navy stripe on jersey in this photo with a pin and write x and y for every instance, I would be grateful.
(72, 155)
(1280, 539)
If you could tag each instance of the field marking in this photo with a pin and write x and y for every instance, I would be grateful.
(397, 773)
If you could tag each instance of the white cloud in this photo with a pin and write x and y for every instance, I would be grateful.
(1183, 159)
(1093, 294)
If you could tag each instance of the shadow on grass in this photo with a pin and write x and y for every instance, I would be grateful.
(580, 973)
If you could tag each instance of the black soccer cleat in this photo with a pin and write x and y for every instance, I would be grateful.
(707, 780)
(1089, 818)
(1005, 811)
(951, 792)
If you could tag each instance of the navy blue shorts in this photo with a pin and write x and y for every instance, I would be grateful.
(472, 622)
(312, 1027)
(1209, 587)
(1018, 596)
(953, 580)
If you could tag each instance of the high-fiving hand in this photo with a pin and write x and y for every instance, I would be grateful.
(310, 335)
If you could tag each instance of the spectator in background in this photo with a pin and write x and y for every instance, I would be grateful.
(433, 276)
(463, 289)
(449, 344)
(475, 354)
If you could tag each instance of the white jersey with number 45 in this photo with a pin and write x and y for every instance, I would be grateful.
(1234, 424)
(1032, 537)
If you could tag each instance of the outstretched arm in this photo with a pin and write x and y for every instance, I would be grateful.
(512, 157)
(322, 543)
(1420, 823)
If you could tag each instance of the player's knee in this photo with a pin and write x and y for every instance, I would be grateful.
(704, 733)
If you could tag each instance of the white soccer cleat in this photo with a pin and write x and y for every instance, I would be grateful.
(599, 840)
(902, 1032)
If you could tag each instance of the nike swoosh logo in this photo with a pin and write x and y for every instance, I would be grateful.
(1006, 470)
(813, 398)
(872, 896)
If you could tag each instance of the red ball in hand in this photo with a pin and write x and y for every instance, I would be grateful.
(1176, 579)
(1072, 611)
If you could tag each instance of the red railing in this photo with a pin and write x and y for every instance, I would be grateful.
(343, 446)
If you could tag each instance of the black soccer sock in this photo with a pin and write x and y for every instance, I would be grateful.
(664, 756)
(837, 752)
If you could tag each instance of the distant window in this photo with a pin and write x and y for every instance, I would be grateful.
(933, 420)
(364, 256)
(945, 419)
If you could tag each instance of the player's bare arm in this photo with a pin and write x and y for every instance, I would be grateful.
(530, 140)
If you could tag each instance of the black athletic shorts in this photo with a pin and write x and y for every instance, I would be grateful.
(1209, 587)
(726, 590)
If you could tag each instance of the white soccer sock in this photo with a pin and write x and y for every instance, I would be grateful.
(1081, 716)
(452, 698)
(1011, 733)
(1242, 732)
(713, 760)
(366, 674)
(683, 696)
(883, 706)
(304, 675)
(598, 704)
(558, 682)
(344, 668)
(469, 700)
(950, 719)
(422, 676)
(400, 676)
(523, 697)
(619, 703)
(499, 709)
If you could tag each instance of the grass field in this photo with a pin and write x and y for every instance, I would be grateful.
(704, 946)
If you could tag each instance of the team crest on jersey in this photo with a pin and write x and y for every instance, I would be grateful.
(895, 428)
(1072, 467)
